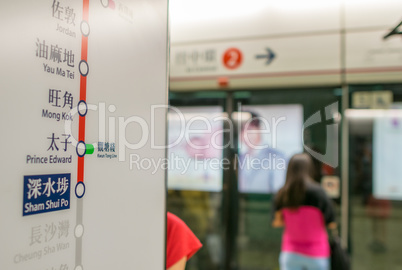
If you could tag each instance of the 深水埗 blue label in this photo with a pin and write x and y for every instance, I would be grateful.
(46, 193)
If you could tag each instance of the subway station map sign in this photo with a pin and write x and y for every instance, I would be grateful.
(78, 77)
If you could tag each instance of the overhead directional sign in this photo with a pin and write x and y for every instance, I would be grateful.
(248, 57)
(270, 55)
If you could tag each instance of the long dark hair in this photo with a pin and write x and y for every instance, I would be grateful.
(299, 171)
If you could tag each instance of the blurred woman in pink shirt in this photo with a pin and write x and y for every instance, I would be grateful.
(303, 208)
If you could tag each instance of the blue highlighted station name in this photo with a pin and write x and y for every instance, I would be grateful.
(46, 193)
(50, 204)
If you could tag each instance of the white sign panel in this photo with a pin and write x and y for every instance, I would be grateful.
(368, 51)
(372, 99)
(387, 147)
(78, 81)
(332, 185)
(314, 55)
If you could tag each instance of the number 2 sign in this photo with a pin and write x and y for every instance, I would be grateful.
(232, 58)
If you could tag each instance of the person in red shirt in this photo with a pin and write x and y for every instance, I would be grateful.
(181, 243)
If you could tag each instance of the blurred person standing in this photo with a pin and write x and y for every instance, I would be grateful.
(302, 207)
(181, 243)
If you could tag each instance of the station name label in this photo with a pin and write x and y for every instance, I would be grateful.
(46, 193)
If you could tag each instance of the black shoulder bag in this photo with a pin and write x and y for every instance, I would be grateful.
(339, 257)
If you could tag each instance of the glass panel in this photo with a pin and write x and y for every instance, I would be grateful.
(257, 244)
(235, 226)
(195, 194)
(375, 138)
(202, 212)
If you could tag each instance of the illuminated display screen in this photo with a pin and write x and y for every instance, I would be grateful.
(269, 136)
(195, 147)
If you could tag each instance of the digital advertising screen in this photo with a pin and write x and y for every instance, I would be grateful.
(195, 148)
(268, 137)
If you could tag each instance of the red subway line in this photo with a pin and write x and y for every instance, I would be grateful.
(83, 92)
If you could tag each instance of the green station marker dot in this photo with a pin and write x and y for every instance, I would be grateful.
(89, 149)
